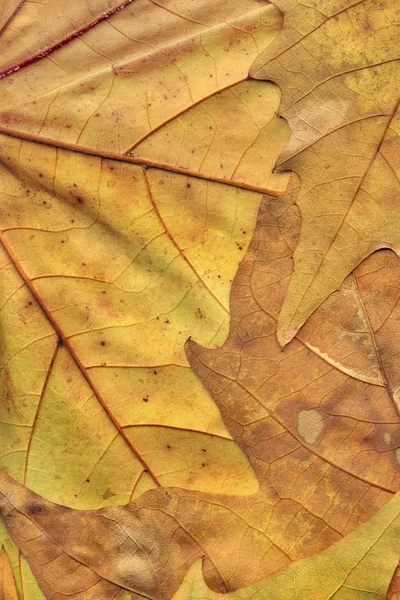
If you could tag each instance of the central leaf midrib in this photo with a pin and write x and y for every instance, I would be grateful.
(133, 160)
(65, 341)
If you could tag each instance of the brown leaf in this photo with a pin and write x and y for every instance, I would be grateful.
(394, 590)
(319, 420)
(8, 590)
(88, 554)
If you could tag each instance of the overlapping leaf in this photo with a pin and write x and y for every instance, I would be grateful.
(105, 85)
(356, 568)
(129, 251)
(318, 421)
(143, 108)
(108, 263)
(338, 69)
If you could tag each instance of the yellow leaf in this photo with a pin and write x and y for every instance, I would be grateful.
(115, 279)
(119, 261)
(108, 90)
(338, 69)
(114, 251)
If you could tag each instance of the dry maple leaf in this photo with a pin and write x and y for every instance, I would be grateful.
(337, 65)
(318, 421)
(99, 254)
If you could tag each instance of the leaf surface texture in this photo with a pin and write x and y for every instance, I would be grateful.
(338, 69)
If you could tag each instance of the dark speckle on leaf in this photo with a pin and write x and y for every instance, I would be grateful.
(35, 509)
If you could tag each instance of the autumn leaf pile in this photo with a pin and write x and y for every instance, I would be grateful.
(199, 300)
